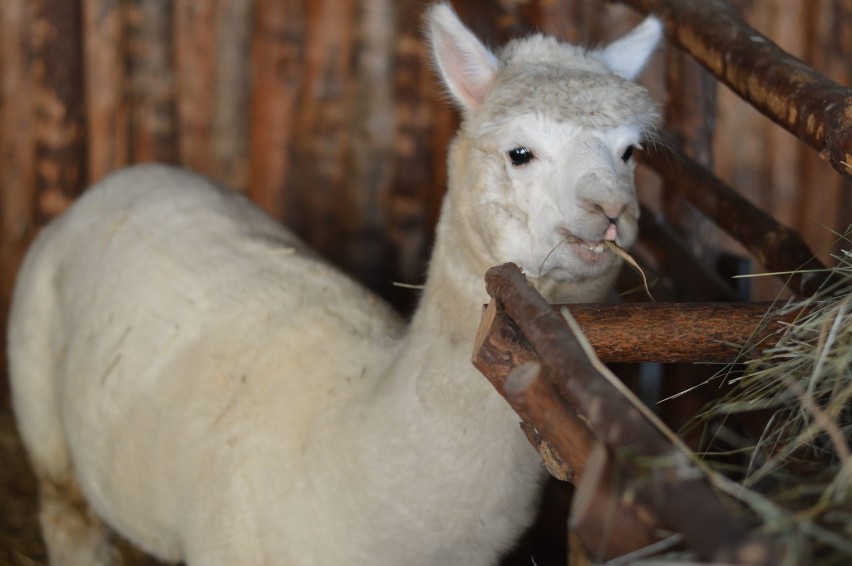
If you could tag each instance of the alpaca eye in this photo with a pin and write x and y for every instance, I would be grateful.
(520, 156)
(628, 153)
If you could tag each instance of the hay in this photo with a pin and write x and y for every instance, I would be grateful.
(795, 474)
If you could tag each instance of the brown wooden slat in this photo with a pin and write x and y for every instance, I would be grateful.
(60, 159)
(677, 332)
(229, 144)
(17, 154)
(277, 60)
(775, 246)
(320, 203)
(108, 125)
(151, 82)
(371, 148)
(195, 71)
(414, 152)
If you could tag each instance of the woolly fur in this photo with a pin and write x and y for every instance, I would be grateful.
(186, 372)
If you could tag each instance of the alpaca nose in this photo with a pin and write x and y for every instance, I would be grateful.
(611, 233)
(612, 214)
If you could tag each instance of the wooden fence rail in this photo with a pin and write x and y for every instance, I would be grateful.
(812, 107)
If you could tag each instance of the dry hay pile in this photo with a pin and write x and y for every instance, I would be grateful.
(793, 471)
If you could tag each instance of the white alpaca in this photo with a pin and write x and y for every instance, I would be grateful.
(187, 372)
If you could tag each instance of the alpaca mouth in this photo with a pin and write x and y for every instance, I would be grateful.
(592, 247)
(591, 251)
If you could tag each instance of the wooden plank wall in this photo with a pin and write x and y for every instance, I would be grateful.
(326, 113)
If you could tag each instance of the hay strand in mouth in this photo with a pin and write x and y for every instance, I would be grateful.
(550, 253)
(628, 259)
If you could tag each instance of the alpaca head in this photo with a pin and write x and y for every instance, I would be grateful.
(541, 172)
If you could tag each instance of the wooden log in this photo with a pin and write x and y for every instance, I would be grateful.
(17, 147)
(812, 107)
(195, 66)
(60, 166)
(277, 61)
(500, 352)
(372, 154)
(321, 209)
(673, 487)
(229, 144)
(775, 246)
(108, 125)
(151, 81)
(414, 93)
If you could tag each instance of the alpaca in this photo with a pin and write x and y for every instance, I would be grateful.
(188, 374)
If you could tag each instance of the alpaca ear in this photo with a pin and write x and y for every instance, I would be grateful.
(626, 57)
(466, 66)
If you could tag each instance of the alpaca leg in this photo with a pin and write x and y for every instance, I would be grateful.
(73, 534)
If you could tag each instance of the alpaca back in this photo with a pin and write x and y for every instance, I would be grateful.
(201, 300)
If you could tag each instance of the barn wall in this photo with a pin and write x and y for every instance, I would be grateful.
(326, 114)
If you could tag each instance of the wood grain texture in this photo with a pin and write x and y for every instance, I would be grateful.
(556, 429)
(59, 105)
(277, 60)
(151, 95)
(675, 491)
(104, 62)
(778, 248)
(18, 221)
(806, 103)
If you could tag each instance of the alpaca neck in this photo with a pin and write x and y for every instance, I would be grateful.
(437, 348)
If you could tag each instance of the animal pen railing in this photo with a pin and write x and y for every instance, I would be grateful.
(118, 82)
(634, 477)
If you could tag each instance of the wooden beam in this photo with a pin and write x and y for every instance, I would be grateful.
(278, 72)
(151, 82)
(807, 104)
(104, 42)
(60, 144)
(776, 247)
(678, 332)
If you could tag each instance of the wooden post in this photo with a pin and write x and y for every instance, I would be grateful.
(108, 126)
(229, 145)
(151, 82)
(17, 148)
(195, 66)
(60, 151)
(277, 61)
(319, 193)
